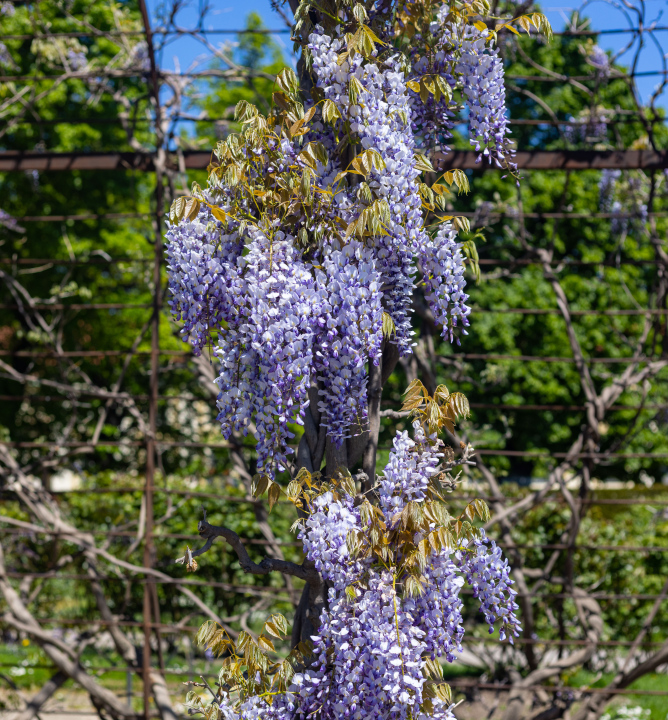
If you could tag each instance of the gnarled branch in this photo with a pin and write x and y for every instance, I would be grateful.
(267, 565)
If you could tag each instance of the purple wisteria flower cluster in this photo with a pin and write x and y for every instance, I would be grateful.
(350, 334)
(374, 643)
(599, 59)
(288, 309)
(463, 57)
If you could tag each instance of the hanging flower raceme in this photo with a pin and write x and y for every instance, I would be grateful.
(203, 275)
(350, 334)
(482, 74)
(266, 354)
(442, 264)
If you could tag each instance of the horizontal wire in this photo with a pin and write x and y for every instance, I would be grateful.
(564, 688)
(240, 589)
(189, 398)
(495, 215)
(444, 359)
(83, 217)
(183, 536)
(627, 117)
(243, 588)
(131, 306)
(163, 32)
(35, 445)
(13, 161)
(565, 262)
(78, 306)
(451, 496)
(469, 639)
(539, 358)
(110, 74)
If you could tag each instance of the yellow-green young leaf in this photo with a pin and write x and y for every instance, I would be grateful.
(366, 45)
(389, 328)
(461, 180)
(265, 643)
(176, 210)
(294, 490)
(444, 87)
(296, 127)
(372, 35)
(413, 587)
(415, 86)
(287, 80)
(340, 176)
(191, 208)
(433, 669)
(443, 692)
(352, 542)
(462, 223)
(243, 641)
(483, 510)
(309, 115)
(342, 57)
(351, 593)
(330, 112)
(244, 111)
(260, 484)
(422, 163)
(273, 495)
(303, 476)
(460, 404)
(218, 213)
(359, 13)
(525, 23)
(480, 25)
(303, 236)
(424, 91)
(202, 632)
(364, 193)
(429, 84)
(279, 622)
(273, 629)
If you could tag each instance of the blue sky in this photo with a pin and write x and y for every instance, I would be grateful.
(231, 15)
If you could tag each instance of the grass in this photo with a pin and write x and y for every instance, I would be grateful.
(657, 705)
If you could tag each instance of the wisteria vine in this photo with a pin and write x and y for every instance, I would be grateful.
(297, 266)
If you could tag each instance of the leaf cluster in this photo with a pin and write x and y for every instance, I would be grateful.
(248, 669)
(442, 410)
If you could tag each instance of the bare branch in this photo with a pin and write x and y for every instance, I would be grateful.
(266, 566)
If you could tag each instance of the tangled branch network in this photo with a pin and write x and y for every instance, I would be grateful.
(297, 264)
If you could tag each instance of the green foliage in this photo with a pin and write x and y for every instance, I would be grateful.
(218, 100)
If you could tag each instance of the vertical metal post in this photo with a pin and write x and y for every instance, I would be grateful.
(149, 551)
